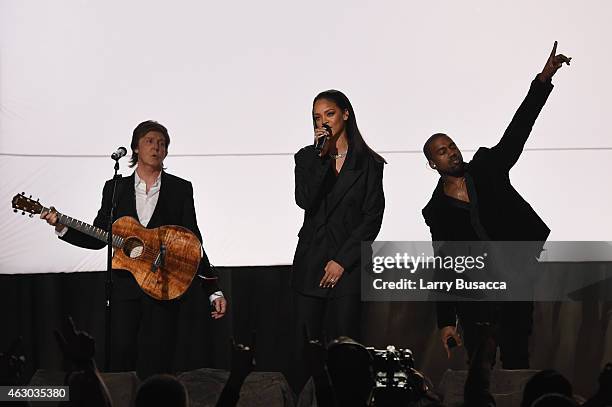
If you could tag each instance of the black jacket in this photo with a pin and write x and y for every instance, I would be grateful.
(335, 223)
(174, 207)
(503, 213)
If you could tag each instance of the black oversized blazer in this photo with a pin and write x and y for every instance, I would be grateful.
(334, 226)
(174, 207)
(503, 213)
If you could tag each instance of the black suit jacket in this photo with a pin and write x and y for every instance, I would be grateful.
(503, 213)
(335, 225)
(174, 207)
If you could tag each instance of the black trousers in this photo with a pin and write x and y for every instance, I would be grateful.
(323, 319)
(513, 325)
(143, 330)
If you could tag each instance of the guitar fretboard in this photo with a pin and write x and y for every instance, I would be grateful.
(88, 229)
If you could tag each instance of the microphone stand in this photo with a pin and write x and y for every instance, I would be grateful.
(108, 288)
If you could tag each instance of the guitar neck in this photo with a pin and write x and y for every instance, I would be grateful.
(88, 229)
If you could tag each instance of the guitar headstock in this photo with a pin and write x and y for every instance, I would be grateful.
(24, 204)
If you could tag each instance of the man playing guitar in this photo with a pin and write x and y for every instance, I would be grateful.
(155, 198)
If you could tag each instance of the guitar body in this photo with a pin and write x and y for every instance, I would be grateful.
(163, 261)
(140, 252)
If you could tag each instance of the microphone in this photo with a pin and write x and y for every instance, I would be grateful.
(121, 151)
(320, 143)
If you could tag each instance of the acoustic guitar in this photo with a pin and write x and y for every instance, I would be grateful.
(163, 260)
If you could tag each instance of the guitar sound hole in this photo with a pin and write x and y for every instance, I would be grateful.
(133, 247)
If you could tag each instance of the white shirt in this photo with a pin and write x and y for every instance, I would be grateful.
(145, 206)
(146, 201)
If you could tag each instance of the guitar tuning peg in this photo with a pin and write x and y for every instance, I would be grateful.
(37, 199)
(15, 210)
(31, 216)
(23, 213)
(30, 196)
(23, 193)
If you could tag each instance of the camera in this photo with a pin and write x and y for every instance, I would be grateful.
(397, 382)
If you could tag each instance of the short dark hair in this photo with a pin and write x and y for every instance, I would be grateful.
(350, 369)
(162, 390)
(554, 400)
(140, 131)
(544, 382)
(427, 144)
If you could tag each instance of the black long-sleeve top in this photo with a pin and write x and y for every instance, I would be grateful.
(502, 214)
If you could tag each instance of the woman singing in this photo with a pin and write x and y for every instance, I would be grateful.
(339, 186)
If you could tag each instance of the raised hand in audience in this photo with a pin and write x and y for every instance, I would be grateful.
(316, 357)
(243, 363)
(78, 347)
(477, 386)
(12, 364)
(86, 385)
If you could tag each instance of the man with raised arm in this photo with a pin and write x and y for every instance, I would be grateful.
(475, 202)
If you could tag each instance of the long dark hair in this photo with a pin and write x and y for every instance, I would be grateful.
(352, 131)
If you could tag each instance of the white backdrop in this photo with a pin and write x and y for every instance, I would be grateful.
(234, 83)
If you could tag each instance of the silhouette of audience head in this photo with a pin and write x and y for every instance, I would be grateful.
(543, 383)
(162, 391)
(554, 400)
(350, 369)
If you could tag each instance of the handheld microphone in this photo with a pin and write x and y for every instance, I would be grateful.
(320, 142)
(120, 152)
